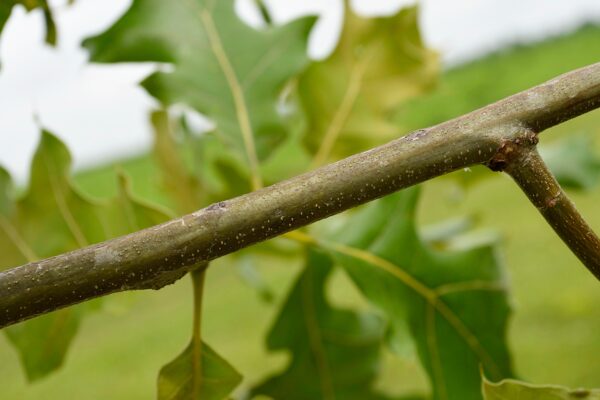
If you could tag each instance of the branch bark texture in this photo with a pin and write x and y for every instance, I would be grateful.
(537, 182)
(156, 256)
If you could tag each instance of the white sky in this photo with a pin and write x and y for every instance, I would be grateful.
(102, 114)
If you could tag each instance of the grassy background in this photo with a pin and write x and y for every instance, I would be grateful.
(554, 332)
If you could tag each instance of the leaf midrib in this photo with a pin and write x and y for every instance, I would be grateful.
(315, 337)
(237, 93)
(431, 296)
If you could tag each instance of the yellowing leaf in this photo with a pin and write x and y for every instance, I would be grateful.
(223, 68)
(179, 380)
(197, 170)
(509, 389)
(178, 181)
(53, 218)
(6, 192)
(378, 63)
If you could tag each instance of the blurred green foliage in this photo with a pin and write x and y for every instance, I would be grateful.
(501, 74)
(439, 313)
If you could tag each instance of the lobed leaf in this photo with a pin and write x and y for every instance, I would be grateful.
(223, 68)
(335, 353)
(377, 64)
(53, 218)
(452, 304)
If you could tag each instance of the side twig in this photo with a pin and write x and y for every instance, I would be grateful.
(526, 167)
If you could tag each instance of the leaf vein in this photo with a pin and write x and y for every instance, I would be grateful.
(237, 93)
(424, 291)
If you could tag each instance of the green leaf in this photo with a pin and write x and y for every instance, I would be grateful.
(245, 263)
(43, 342)
(197, 169)
(52, 218)
(198, 372)
(378, 63)
(573, 161)
(178, 181)
(127, 213)
(6, 192)
(223, 68)
(452, 303)
(176, 380)
(335, 353)
(512, 389)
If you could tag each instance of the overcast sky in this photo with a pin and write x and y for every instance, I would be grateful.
(101, 113)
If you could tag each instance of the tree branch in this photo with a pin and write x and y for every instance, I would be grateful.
(156, 256)
(531, 174)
